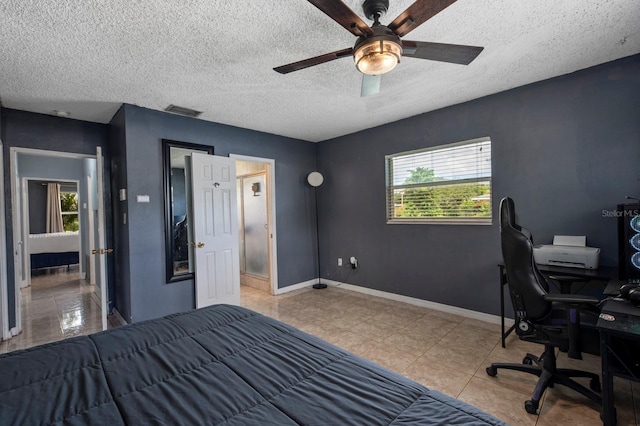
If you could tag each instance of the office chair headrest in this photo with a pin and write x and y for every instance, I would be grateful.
(507, 213)
(508, 216)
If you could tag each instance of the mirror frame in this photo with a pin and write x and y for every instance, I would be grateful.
(167, 144)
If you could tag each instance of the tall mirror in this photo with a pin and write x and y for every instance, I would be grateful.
(178, 252)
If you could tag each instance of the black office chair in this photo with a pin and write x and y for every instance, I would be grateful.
(563, 321)
(181, 241)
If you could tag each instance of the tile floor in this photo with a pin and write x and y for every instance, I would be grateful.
(57, 305)
(443, 351)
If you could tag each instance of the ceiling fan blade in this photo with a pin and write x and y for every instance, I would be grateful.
(417, 14)
(306, 63)
(343, 15)
(454, 53)
(370, 85)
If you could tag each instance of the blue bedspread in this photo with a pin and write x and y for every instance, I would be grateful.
(221, 365)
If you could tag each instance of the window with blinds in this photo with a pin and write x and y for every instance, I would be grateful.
(448, 184)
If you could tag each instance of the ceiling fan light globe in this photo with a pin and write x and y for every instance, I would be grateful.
(377, 57)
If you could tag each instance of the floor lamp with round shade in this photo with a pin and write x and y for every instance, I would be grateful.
(315, 179)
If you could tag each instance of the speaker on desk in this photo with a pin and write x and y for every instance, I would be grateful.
(629, 241)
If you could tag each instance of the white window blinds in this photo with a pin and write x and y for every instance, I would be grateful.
(445, 184)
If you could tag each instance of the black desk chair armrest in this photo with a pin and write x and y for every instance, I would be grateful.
(571, 299)
(564, 283)
(575, 304)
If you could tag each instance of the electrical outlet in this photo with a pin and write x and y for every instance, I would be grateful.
(339, 261)
(354, 262)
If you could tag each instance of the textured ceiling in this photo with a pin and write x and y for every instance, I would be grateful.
(88, 57)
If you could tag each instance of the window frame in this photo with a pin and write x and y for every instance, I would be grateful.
(467, 220)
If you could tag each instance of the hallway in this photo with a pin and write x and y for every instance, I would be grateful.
(57, 305)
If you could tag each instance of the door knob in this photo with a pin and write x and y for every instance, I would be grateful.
(200, 245)
(101, 251)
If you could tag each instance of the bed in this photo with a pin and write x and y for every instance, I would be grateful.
(54, 249)
(222, 365)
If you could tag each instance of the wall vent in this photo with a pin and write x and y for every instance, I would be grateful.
(183, 111)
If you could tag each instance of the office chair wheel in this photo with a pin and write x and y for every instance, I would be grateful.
(531, 407)
(527, 361)
(492, 371)
(594, 384)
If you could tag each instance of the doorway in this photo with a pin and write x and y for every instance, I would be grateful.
(85, 171)
(256, 222)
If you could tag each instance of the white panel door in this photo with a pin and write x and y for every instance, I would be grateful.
(215, 230)
(101, 258)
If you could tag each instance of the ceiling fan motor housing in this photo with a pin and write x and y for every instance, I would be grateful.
(375, 8)
(380, 33)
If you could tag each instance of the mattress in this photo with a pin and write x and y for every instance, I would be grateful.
(55, 242)
(221, 365)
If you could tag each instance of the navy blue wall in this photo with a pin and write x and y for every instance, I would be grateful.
(150, 295)
(565, 149)
(29, 130)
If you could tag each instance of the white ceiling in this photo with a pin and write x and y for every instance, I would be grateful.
(88, 57)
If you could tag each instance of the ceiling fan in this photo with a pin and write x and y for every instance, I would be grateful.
(379, 47)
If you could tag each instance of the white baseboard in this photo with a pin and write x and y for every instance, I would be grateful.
(467, 313)
(116, 314)
(96, 298)
(294, 287)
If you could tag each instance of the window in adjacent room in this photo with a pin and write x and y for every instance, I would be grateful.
(69, 207)
(447, 184)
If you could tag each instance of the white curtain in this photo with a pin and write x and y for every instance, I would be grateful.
(54, 210)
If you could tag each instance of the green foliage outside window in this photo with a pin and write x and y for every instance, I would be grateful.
(441, 199)
(422, 175)
(69, 207)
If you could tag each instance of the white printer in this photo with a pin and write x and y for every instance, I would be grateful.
(566, 250)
